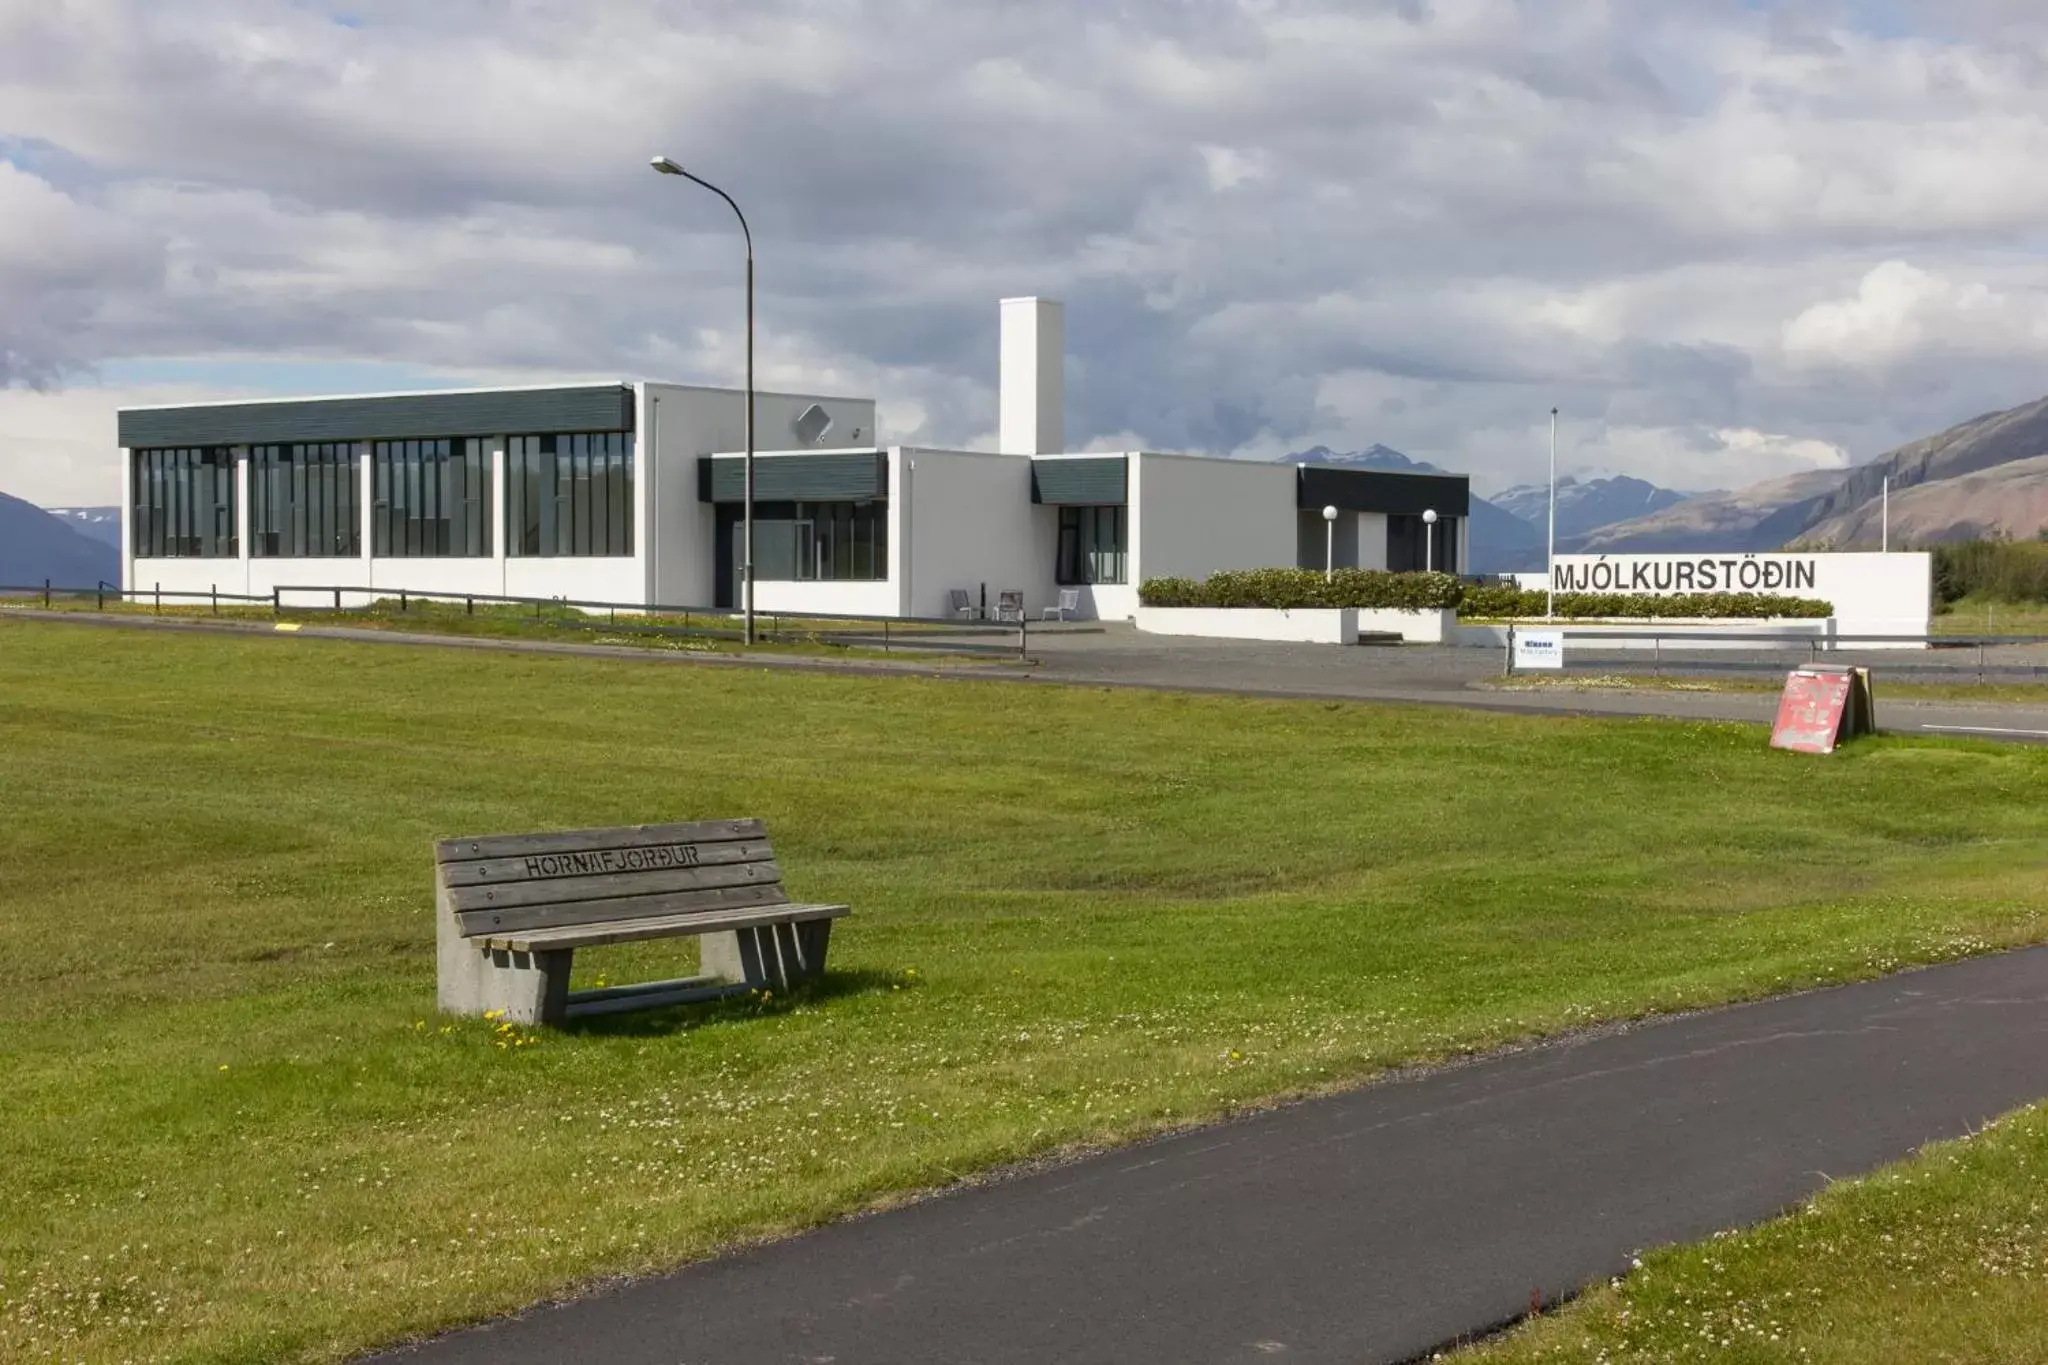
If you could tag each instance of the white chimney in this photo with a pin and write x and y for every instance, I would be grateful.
(1031, 409)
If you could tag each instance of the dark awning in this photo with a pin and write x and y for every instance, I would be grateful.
(826, 476)
(1378, 490)
(1081, 480)
(407, 416)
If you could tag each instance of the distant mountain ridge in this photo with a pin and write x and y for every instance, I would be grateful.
(1499, 541)
(1978, 478)
(1584, 505)
(35, 546)
(99, 523)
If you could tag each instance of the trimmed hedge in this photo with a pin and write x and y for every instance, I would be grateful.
(1288, 589)
(1291, 589)
(1505, 600)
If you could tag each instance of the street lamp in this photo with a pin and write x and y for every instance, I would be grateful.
(1329, 542)
(668, 167)
(1429, 540)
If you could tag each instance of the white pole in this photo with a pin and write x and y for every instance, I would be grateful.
(1429, 540)
(1550, 552)
(1885, 544)
(1329, 550)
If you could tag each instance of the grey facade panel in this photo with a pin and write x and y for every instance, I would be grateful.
(828, 476)
(1376, 490)
(523, 412)
(1081, 481)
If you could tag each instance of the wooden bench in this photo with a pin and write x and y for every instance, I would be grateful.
(512, 909)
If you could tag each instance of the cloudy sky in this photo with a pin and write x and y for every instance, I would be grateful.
(1729, 238)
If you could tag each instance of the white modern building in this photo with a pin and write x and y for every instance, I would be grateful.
(631, 493)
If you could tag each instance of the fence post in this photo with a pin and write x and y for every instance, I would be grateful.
(885, 635)
(46, 594)
(159, 591)
(213, 591)
(99, 594)
(1023, 653)
(469, 606)
(337, 599)
(276, 599)
(1508, 668)
(401, 601)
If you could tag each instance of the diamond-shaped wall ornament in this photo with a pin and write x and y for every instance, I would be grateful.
(811, 424)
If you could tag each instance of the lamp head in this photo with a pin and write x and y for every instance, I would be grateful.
(665, 166)
(1329, 514)
(1429, 517)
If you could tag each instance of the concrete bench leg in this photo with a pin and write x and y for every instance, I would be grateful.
(530, 988)
(772, 957)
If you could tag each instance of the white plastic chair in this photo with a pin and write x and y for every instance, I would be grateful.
(1070, 602)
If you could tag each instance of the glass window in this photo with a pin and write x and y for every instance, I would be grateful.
(1091, 545)
(184, 503)
(303, 501)
(569, 494)
(823, 542)
(430, 498)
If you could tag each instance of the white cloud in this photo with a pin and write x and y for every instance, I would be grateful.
(61, 447)
(1274, 223)
(1901, 313)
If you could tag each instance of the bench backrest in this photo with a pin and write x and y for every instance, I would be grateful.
(506, 882)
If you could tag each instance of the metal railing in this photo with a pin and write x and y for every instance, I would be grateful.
(913, 634)
(1709, 654)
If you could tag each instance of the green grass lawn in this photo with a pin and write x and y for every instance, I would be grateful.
(236, 1131)
(669, 632)
(1977, 616)
(1942, 1258)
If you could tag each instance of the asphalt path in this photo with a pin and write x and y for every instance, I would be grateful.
(1121, 657)
(1373, 1226)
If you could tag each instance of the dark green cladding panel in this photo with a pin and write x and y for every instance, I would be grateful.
(408, 416)
(1084, 480)
(1380, 490)
(828, 476)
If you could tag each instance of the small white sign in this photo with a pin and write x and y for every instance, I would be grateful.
(1539, 649)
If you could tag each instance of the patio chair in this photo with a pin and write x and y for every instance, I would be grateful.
(959, 604)
(1010, 604)
(1070, 604)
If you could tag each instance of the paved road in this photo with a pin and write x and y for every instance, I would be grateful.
(1369, 1227)
(1118, 656)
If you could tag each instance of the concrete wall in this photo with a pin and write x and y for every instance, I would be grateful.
(1191, 517)
(971, 522)
(1873, 594)
(679, 423)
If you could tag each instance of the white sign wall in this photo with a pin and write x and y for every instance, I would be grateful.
(1873, 594)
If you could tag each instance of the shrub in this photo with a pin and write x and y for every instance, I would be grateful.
(1287, 589)
(2002, 570)
(1505, 600)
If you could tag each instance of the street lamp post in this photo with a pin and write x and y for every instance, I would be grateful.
(668, 167)
(1329, 543)
(1429, 540)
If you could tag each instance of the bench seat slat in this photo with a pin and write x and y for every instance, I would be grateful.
(568, 890)
(647, 858)
(586, 840)
(628, 931)
(661, 905)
